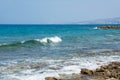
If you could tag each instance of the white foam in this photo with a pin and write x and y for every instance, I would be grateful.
(35, 76)
(66, 66)
(54, 39)
(70, 69)
(23, 41)
(95, 28)
(26, 77)
(3, 44)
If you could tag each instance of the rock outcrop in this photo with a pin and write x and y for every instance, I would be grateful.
(105, 72)
(110, 71)
(109, 27)
(51, 78)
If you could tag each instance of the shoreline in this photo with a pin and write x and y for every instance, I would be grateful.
(103, 69)
(66, 68)
(110, 71)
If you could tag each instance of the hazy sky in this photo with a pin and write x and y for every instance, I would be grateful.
(56, 11)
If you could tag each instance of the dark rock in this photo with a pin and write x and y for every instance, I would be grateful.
(105, 72)
(35, 66)
(109, 71)
(51, 78)
(86, 71)
(109, 27)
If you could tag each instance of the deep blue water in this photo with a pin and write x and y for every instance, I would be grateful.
(76, 40)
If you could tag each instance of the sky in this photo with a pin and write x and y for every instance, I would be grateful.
(56, 11)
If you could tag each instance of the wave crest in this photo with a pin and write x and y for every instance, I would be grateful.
(95, 28)
(43, 41)
(55, 39)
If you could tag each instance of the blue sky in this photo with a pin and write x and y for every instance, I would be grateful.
(56, 11)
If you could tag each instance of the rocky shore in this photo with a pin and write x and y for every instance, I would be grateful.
(104, 72)
(109, 27)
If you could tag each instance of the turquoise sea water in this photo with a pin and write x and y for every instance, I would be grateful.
(75, 39)
(24, 44)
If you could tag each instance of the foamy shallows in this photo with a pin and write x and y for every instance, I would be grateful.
(38, 69)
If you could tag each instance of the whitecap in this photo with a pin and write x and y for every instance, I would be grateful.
(54, 39)
(95, 28)
(3, 44)
(23, 41)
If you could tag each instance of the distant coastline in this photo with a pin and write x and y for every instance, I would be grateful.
(108, 21)
(60, 24)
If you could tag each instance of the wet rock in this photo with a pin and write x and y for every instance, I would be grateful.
(78, 79)
(69, 76)
(98, 78)
(105, 72)
(109, 71)
(111, 79)
(35, 66)
(51, 78)
(109, 27)
(86, 71)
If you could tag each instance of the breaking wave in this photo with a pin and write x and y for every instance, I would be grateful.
(43, 41)
(55, 39)
(95, 28)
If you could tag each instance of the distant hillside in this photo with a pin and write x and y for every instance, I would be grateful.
(102, 21)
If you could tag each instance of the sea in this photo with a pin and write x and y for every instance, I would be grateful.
(33, 52)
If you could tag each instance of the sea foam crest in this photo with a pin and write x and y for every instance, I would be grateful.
(54, 39)
(45, 40)
(95, 28)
